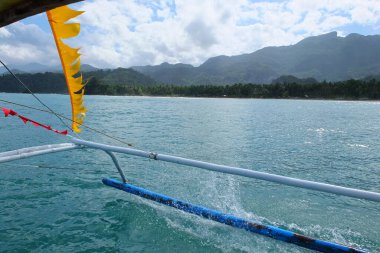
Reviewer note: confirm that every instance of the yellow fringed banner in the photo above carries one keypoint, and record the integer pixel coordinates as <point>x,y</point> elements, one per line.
<point>69,59</point>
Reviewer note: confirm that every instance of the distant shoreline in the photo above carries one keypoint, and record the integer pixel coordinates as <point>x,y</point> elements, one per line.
<point>205,97</point>
<point>284,88</point>
<point>243,98</point>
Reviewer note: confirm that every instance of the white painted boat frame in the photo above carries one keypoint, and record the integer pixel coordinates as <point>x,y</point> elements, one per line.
<point>109,149</point>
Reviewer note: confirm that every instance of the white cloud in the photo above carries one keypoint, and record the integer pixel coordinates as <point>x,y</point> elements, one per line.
<point>21,44</point>
<point>136,32</point>
<point>4,33</point>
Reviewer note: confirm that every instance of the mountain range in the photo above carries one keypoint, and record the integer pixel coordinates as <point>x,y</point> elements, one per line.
<point>324,57</point>
<point>50,82</point>
<point>34,67</point>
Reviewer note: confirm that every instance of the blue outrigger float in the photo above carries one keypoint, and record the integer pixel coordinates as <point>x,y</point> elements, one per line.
<point>228,219</point>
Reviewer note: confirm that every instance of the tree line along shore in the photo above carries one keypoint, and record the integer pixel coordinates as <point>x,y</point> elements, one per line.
<point>364,89</point>
<point>350,90</point>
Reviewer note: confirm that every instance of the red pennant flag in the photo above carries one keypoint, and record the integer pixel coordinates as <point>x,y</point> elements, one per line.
<point>13,113</point>
<point>8,112</point>
<point>59,132</point>
<point>23,119</point>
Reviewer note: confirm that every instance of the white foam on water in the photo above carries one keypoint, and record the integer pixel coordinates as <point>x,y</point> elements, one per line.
<point>322,130</point>
<point>225,238</point>
<point>358,145</point>
<point>222,194</point>
<point>336,235</point>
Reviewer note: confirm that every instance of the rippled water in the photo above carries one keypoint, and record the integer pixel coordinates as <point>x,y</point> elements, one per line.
<point>57,203</point>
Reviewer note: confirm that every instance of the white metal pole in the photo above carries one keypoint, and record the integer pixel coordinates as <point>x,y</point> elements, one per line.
<point>34,151</point>
<point>350,192</point>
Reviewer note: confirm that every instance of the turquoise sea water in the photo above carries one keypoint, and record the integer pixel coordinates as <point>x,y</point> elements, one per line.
<point>57,203</point>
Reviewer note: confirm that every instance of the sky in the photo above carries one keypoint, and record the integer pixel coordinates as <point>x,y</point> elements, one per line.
<point>125,33</point>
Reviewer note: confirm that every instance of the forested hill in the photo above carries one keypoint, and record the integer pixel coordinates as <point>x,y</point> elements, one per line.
<point>121,76</point>
<point>39,83</point>
<point>129,82</point>
<point>325,57</point>
<point>55,82</point>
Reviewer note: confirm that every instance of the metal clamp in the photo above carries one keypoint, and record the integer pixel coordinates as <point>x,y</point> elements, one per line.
<point>153,155</point>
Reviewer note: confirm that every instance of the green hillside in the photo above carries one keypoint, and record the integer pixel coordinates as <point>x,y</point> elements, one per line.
<point>325,57</point>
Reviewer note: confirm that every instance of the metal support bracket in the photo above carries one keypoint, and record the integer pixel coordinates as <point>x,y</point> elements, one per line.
<point>116,162</point>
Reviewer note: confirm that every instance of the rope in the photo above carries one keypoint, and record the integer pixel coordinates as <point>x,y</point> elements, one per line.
<point>37,166</point>
<point>39,100</point>
<point>59,116</point>
<point>64,117</point>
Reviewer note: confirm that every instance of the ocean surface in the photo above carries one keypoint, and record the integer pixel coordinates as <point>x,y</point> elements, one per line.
<point>57,202</point>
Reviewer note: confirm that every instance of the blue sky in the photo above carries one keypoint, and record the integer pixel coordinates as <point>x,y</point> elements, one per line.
<point>137,32</point>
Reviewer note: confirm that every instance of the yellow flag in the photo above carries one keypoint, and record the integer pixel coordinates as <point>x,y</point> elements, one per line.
<point>69,59</point>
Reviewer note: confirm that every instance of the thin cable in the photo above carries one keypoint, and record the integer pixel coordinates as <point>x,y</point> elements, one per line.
<point>34,166</point>
<point>21,165</point>
<point>64,117</point>
<point>26,87</point>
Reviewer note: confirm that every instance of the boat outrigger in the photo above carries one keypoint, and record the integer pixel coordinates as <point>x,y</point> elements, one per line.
<point>228,219</point>
<point>70,62</point>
